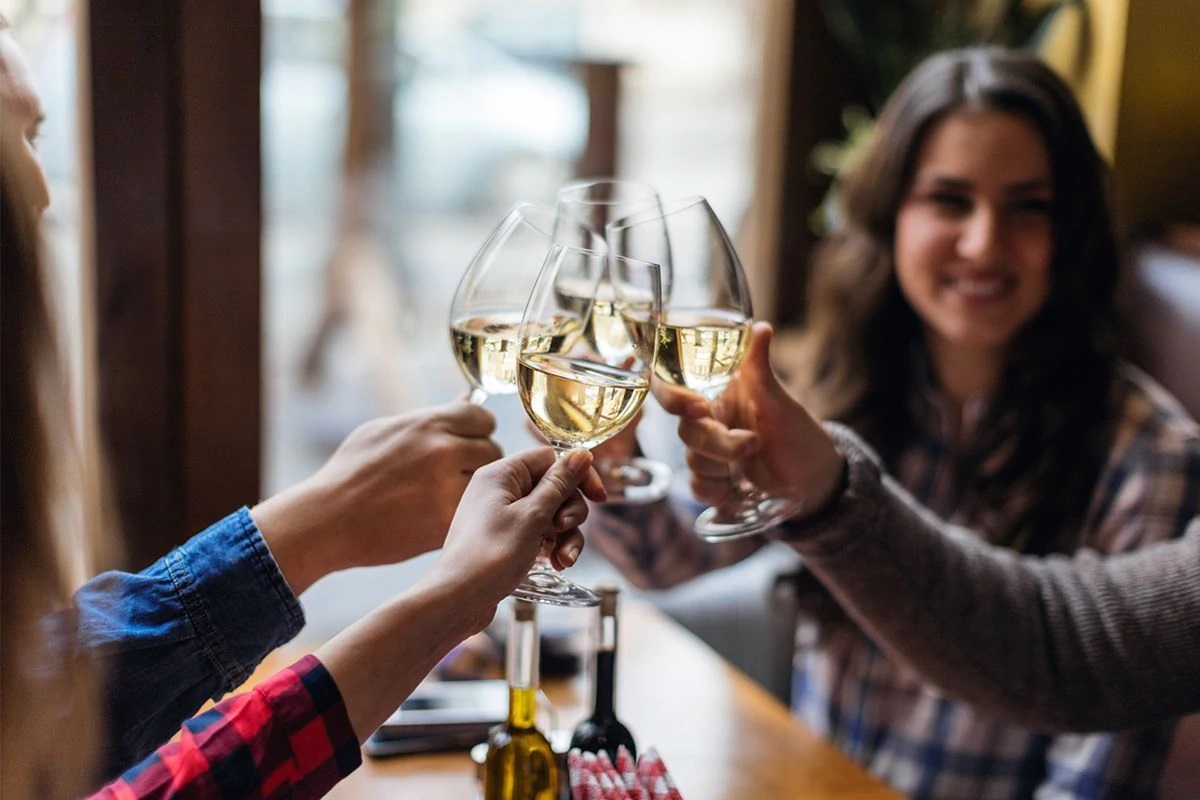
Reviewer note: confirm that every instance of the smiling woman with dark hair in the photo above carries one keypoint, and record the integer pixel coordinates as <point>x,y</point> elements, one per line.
<point>1044,424</point>
<point>963,323</point>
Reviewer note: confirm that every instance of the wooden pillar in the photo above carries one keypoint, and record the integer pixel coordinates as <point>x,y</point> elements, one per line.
<point>176,184</point>
<point>602,82</point>
<point>821,84</point>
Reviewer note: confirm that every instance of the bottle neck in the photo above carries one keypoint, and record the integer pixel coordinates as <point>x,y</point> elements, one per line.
<point>606,658</point>
<point>522,674</point>
<point>522,708</point>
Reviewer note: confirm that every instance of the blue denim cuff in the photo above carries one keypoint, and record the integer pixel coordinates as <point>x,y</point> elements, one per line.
<point>234,595</point>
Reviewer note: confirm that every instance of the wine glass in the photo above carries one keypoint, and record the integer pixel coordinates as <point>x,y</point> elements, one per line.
<point>705,332</point>
<point>585,394</point>
<point>491,295</point>
<point>595,202</point>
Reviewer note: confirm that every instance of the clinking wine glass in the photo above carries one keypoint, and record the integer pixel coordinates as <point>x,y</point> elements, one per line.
<point>596,202</point>
<point>491,295</point>
<point>705,333</point>
<point>585,394</point>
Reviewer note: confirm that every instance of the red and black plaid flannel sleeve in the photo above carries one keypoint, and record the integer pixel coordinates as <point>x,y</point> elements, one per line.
<point>288,737</point>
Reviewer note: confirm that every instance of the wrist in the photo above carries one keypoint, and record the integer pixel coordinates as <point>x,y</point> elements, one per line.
<point>861,469</point>
<point>825,500</point>
<point>475,605</point>
<point>294,543</point>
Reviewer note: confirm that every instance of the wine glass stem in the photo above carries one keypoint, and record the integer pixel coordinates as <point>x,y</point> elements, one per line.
<point>740,486</point>
<point>477,397</point>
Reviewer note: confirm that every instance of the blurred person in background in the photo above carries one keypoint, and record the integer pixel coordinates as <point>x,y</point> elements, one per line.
<point>962,322</point>
<point>93,681</point>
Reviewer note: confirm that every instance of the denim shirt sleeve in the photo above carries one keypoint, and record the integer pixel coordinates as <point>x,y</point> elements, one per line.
<point>191,627</point>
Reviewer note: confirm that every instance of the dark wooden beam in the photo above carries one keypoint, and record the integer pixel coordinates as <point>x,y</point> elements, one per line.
<point>822,84</point>
<point>176,178</point>
<point>602,82</point>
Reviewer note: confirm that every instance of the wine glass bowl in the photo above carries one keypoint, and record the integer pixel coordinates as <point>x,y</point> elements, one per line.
<point>701,348</point>
<point>704,335</point>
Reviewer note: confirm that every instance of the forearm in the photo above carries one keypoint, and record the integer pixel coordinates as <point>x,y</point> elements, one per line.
<point>378,661</point>
<point>188,628</point>
<point>1081,643</point>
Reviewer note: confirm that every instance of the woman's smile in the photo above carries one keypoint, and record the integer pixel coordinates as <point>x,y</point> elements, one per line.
<point>981,288</point>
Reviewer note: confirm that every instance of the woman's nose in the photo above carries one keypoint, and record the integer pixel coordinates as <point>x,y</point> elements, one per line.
<point>31,179</point>
<point>981,237</point>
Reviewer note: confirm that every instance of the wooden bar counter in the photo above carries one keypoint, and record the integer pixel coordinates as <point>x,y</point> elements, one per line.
<point>721,735</point>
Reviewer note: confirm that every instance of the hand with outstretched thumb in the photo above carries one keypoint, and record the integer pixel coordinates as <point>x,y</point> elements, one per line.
<point>780,447</point>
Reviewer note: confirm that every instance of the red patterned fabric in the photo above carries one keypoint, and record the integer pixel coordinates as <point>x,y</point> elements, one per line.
<point>288,737</point>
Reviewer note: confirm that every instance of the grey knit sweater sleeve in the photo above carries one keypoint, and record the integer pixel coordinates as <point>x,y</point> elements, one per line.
<point>1084,642</point>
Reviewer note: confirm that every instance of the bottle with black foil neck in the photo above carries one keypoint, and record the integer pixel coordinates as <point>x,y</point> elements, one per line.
<point>602,730</point>
<point>520,763</point>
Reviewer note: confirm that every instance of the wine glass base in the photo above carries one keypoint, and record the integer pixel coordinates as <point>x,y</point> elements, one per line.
<point>635,482</point>
<point>544,585</point>
<point>754,516</point>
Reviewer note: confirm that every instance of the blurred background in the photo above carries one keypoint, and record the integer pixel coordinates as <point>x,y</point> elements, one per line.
<point>262,211</point>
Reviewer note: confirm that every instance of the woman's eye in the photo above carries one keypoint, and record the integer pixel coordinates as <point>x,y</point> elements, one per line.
<point>31,136</point>
<point>950,201</point>
<point>1039,206</point>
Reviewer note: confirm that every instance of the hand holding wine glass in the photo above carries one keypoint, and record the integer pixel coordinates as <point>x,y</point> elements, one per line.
<point>704,335</point>
<point>581,396</point>
<point>781,447</point>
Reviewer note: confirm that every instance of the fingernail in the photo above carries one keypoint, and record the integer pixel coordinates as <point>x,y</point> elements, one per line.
<point>572,556</point>
<point>578,461</point>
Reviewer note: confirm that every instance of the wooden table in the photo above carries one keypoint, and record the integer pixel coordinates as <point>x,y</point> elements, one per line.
<point>720,734</point>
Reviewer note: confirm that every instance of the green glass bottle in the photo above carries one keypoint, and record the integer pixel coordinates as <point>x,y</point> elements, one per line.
<point>520,762</point>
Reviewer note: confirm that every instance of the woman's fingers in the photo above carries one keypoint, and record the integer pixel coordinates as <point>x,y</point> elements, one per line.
<point>679,402</point>
<point>593,487</point>
<point>711,438</point>
<point>713,491</point>
<point>465,419</point>
<point>705,467</point>
<point>571,514</point>
<point>567,548</point>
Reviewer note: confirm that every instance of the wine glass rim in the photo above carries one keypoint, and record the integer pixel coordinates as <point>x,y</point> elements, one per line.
<point>665,210</point>
<point>603,254</point>
<point>569,191</point>
<point>522,213</point>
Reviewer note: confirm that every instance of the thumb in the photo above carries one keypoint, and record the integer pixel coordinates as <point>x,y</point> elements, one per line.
<point>757,364</point>
<point>560,482</point>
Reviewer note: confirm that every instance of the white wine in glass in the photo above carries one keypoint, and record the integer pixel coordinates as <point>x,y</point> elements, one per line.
<point>701,348</point>
<point>485,314</point>
<point>584,395</point>
<point>704,336</point>
<point>575,402</point>
<point>596,202</point>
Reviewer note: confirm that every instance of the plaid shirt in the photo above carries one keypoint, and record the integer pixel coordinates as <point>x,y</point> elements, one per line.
<point>288,737</point>
<point>177,634</point>
<point>880,713</point>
